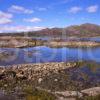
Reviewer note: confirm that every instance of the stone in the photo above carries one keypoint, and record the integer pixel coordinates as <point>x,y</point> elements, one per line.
<point>40,80</point>
<point>92,91</point>
<point>56,80</point>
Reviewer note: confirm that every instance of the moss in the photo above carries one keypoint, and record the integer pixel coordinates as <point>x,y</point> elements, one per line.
<point>80,64</point>
<point>35,94</point>
<point>93,66</point>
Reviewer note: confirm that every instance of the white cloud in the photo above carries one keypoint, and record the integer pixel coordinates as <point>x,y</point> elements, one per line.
<point>20,9</point>
<point>92,9</point>
<point>5,18</point>
<point>33,20</point>
<point>5,21</point>
<point>5,15</point>
<point>75,9</point>
<point>20,28</point>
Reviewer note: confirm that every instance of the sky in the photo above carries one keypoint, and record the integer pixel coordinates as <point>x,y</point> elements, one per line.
<point>32,15</point>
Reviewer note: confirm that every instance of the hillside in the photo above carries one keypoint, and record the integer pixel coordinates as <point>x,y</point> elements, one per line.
<point>84,30</point>
<point>87,30</point>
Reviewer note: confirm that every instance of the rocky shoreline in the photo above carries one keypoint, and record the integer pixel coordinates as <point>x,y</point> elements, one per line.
<point>19,42</point>
<point>36,70</point>
<point>54,78</point>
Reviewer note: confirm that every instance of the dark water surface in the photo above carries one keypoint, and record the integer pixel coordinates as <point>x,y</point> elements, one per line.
<point>96,39</point>
<point>46,54</point>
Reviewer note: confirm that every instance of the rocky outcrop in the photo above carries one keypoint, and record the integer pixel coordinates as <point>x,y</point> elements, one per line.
<point>69,94</point>
<point>87,92</point>
<point>92,91</point>
<point>32,71</point>
<point>19,42</point>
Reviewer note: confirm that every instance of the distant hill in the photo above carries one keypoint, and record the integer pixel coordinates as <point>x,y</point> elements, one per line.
<point>84,30</point>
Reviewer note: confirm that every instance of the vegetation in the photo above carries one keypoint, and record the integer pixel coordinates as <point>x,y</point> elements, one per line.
<point>38,94</point>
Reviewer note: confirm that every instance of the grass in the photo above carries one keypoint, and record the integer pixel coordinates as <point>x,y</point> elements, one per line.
<point>35,94</point>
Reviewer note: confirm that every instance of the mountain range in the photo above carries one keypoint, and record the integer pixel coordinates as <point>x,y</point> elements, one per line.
<point>83,30</point>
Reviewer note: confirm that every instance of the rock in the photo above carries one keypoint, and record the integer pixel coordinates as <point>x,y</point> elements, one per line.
<point>5,85</point>
<point>2,70</point>
<point>56,80</point>
<point>33,71</point>
<point>92,91</point>
<point>40,80</point>
<point>69,93</point>
<point>21,76</point>
<point>62,98</point>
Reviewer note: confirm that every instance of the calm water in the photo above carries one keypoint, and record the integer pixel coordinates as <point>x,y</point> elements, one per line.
<point>97,39</point>
<point>46,54</point>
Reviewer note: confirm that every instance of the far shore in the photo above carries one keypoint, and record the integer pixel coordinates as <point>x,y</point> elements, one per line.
<point>79,44</point>
<point>24,42</point>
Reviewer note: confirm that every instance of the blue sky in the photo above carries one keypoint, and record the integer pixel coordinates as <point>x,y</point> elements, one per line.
<point>27,15</point>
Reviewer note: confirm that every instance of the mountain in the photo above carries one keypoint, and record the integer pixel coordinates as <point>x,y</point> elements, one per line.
<point>84,30</point>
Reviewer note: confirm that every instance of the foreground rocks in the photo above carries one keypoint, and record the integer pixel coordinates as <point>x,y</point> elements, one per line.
<point>21,77</point>
<point>53,78</point>
<point>32,71</point>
